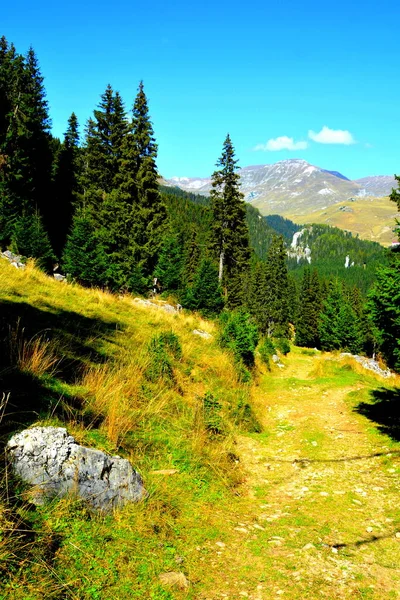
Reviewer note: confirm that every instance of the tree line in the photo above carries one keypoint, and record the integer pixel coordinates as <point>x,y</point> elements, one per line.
<point>95,205</point>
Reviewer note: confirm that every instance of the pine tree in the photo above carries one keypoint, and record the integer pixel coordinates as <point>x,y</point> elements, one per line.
<point>293,299</point>
<point>239,334</point>
<point>150,213</point>
<point>103,145</point>
<point>191,257</point>
<point>310,306</point>
<point>339,328</point>
<point>277,289</point>
<point>351,338</point>
<point>84,258</point>
<point>30,239</point>
<point>205,295</point>
<point>230,231</point>
<point>268,297</point>
<point>170,264</point>
<point>66,184</point>
<point>384,306</point>
<point>38,142</point>
<point>395,197</point>
<point>25,141</point>
<point>8,198</point>
<point>256,296</point>
<point>115,230</point>
<point>357,303</point>
<point>384,301</point>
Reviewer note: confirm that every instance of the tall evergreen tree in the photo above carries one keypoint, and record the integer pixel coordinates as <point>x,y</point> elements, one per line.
<point>38,142</point>
<point>395,197</point>
<point>205,294</point>
<point>66,186</point>
<point>84,258</point>
<point>339,328</point>
<point>25,141</point>
<point>310,306</point>
<point>256,295</point>
<point>170,264</point>
<point>115,229</point>
<point>230,232</point>
<point>384,301</point>
<point>30,239</point>
<point>103,145</point>
<point>277,289</point>
<point>150,212</point>
<point>191,257</point>
<point>384,305</point>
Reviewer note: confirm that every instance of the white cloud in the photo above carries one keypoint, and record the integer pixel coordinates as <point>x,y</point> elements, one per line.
<point>281,143</point>
<point>332,136</point>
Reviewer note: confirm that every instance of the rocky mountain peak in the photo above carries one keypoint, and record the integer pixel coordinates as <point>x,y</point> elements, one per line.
<point>294,186</point>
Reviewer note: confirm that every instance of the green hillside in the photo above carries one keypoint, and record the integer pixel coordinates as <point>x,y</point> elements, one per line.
<point>186,209</point>
<point>329,245</point>
<point>302,470</point>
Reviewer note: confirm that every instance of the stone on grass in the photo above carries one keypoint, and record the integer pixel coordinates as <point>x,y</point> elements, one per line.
<point>50,460</point>
<point>203,334</point>
<point>174,580</point>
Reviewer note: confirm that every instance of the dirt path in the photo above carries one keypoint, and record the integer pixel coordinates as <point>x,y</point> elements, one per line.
<point>322,515</point>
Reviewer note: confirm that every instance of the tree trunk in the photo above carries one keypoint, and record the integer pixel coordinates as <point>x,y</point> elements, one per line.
<point>221,265</point>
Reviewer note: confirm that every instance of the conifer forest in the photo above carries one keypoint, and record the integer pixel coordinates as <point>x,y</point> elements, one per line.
<point>92,204</point>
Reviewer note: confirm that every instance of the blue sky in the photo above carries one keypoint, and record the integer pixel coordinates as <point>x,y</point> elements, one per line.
<point>309,79</point>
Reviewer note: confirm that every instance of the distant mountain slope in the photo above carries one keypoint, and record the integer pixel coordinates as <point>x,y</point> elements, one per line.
<point>335,253</point>
<point>378,185</point>
<point>370,218</point>
<point>294,187</point>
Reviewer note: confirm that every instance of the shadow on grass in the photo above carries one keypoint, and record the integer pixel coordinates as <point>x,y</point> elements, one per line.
<point>384,410</point>
<point>78,342</point>
<point>358,543</point>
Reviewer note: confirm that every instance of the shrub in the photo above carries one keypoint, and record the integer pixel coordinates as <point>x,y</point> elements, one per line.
<point>282,344</point>
<point>266,350</point>
<point>245,418</point>
<point>240,335</point>
<point>162,349</point>
<point>213,420</point>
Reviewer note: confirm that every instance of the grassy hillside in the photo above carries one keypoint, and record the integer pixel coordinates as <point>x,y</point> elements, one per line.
<point>370,218</point>
<point>295,497</point>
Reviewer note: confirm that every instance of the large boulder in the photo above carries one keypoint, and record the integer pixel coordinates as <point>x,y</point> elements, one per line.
<point>50,460</point>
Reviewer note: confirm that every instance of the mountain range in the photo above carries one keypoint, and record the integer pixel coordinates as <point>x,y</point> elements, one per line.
<point>294,187</point>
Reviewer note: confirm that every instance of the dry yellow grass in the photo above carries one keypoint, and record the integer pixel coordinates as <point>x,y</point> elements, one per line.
<point>256,515</point>
<point>35,355</point>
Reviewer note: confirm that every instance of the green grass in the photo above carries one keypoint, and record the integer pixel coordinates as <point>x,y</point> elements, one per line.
<point>263,469</point>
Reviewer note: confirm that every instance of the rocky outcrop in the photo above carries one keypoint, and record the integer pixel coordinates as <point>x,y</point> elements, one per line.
<point>50,460</point>
<point>160,306</point>
<point>370,364</point>
<point>14,259</point>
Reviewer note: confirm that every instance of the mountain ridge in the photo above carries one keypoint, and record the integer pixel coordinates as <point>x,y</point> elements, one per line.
<point>294,186</point>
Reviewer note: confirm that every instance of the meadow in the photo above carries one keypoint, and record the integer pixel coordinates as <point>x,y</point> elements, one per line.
<point>284,486</point>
